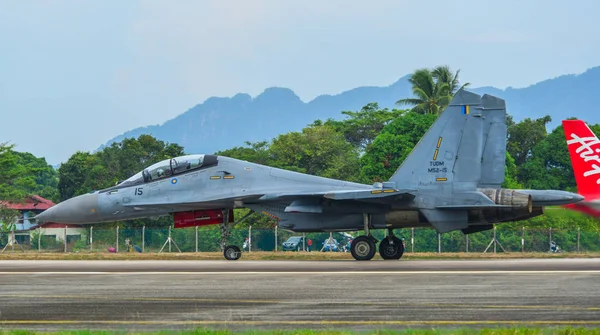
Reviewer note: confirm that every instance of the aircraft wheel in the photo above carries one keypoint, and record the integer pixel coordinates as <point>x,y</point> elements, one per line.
<point>391,251</point>
<point>363,248</point>
<point>232,253</point>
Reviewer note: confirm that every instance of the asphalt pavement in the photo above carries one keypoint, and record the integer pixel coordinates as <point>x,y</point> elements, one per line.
<point>56,295</point>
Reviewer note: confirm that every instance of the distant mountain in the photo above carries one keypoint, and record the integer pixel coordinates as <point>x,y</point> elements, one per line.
<point>222,123</point>
<point>562,97</point>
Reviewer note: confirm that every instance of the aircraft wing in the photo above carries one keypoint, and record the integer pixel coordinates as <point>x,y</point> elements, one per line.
<point>367,195</point>
<point>359,194</point>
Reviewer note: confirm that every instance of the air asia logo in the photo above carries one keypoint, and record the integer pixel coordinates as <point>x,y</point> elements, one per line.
<point>587,152</point>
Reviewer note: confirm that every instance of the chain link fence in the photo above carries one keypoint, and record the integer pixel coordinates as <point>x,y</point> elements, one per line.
<point>206,239</point>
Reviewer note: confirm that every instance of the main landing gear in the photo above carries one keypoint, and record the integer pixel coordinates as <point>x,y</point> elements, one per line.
<point>231,252</point>
<point>363,247</point>
<point>391,247</point>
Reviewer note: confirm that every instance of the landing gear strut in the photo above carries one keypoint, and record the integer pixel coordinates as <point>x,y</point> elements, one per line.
<point>391,247</point>
<point>363,247</point>
<point>231,252</point>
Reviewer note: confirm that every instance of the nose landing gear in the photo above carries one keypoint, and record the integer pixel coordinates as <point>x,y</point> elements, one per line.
<point>231,252</point>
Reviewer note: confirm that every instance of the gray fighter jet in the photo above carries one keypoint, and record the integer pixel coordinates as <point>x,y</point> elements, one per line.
<point>450,181</point>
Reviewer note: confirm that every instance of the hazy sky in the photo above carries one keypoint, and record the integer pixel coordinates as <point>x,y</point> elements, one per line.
<point>74,74</point>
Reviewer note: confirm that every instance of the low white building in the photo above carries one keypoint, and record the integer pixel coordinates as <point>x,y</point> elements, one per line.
<point>25,229</point>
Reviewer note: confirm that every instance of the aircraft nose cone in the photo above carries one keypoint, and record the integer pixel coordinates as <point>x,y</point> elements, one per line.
<point>80,209</point>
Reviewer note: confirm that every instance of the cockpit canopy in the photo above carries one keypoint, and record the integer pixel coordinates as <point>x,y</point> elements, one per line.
<point>171,167</point>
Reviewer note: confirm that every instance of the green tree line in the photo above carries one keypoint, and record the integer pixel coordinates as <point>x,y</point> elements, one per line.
<point>23,174</point>
<point>364,146</point>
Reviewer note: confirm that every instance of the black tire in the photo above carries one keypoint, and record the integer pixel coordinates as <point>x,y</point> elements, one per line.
<point>363,248</point>
<point>232,253</point>
<point>389,251</point>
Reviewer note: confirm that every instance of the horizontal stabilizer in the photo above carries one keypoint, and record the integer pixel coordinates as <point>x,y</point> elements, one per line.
<point>477,229</point>
<point>446,221</point>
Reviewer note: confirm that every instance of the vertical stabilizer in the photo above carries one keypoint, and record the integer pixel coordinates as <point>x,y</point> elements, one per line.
<point>493,161</point>
<point>448,157</point>
<point>584,148</point>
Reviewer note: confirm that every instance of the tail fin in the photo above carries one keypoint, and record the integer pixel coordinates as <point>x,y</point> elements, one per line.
<point>584,148</point>
<point>448,157</point>
<point>493,161</point>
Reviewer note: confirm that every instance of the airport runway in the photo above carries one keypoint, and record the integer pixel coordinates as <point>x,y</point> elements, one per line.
<point>54,295</point>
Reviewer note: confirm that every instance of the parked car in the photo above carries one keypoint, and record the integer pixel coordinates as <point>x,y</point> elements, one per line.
<point>330,245</point>
<point>294,243</point>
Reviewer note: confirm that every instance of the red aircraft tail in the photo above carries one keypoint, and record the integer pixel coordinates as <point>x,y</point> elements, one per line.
<point>584,148</point>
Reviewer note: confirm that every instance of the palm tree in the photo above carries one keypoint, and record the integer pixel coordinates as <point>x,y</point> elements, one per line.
<point>443,73</point>
<point>431,95</point>
<point>433,89</point>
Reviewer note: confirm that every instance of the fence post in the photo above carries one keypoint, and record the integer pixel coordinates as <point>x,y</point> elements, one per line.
<point>117,239</point>
<point>249,238</point>
<point>495,240</point>
<point>275,238</point>
<point>196,238</point>
<point>439,243</point>
<point>39,239</point>
<point>169,238</point>
<point>523,240</point>
<point>578,236</point>
<point>91,238</point>
<point>13,238</point>
<point>467,236</point>
<point>143,237</point>
<point>550,235</point>
<point>412,240</point>
<point>303,241</point>
<point>65,238</point>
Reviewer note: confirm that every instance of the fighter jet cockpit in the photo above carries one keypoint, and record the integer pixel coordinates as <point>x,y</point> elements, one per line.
<point>170,167</point>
